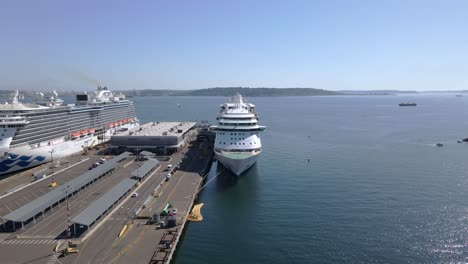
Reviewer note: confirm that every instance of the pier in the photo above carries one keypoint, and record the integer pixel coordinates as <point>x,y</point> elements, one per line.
<point>112,212</point>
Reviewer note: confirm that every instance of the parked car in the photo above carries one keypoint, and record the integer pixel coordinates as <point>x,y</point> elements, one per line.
<point>134,195</point>
<point>168,177</point>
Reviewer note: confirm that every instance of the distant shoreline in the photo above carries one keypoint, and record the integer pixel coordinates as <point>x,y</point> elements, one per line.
<point>229,91</point>
<point>247,92</point>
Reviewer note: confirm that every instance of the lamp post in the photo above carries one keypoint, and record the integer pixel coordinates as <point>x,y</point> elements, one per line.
<point>137,154</point>
<point>68,213</point>
<point>52,159</point>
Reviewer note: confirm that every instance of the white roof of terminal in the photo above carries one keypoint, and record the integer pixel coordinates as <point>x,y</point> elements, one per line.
<point>159,129</point>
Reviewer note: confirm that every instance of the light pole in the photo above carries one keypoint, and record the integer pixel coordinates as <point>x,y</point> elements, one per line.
<point>68,213</point>
<point>52,159</point>
<point>137,154</point>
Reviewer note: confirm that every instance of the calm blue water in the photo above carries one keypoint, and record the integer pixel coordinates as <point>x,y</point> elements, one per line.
<point>376,189</point>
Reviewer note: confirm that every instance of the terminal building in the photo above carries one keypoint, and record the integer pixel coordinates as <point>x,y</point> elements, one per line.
<point>162,138</point>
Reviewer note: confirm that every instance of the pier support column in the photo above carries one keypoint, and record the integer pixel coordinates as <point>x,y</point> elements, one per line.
<point>22,225</point>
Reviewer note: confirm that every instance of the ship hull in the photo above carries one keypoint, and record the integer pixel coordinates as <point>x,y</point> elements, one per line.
<point>25,157</point>
<point>237,162</point>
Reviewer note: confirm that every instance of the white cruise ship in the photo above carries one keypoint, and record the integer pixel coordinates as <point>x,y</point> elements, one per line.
<point>237,145</point>
<point>39,132</point>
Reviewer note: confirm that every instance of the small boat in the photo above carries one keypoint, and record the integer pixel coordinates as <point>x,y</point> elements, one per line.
<point>75,135</point>
<point>439,145</point>
<point>83,132</point>
<point>407,104</point>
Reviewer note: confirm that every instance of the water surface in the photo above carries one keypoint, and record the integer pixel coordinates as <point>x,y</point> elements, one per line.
<point>342,179</point>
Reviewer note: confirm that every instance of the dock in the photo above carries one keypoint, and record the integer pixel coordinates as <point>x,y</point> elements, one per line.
<point>108,211</point>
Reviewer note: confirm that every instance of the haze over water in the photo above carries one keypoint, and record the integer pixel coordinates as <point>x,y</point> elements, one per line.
<point>376,189</point>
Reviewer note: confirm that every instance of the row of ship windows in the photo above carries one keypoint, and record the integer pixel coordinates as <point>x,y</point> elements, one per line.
<point>43,115</point>
<point>237,124</point>
<point>236,118</point>
<point>28,134</point>
<point>72,120</point>
<point>224,143</point>
<point>234,134</point>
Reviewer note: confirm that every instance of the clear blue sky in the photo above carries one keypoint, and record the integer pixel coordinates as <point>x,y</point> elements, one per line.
<point>375,44</point>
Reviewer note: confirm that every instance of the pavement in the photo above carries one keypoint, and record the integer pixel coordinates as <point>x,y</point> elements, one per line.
<point>21,197</point>
<point>12,181</point>
<point>101,244</point>
<point>142,240</point>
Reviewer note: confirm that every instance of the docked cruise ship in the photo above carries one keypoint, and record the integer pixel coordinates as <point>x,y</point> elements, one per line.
<point>46,130</point>
<point>237,145</point>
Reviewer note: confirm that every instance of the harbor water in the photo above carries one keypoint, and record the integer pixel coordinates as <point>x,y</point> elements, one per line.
<point>342,179</point>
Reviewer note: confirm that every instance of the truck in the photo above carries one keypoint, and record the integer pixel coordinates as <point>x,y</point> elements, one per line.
<point>71,248</point>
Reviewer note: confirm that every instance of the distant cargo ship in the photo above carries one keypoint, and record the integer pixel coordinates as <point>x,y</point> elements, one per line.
<point>35,133</point>
<point>407,104</point>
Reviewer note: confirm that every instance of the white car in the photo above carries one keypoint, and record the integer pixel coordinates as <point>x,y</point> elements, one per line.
<point>134,195</point>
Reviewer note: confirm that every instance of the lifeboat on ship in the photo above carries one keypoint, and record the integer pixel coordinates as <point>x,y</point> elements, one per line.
<point>91,131</point>
<point>115,124</point>
<point>83,132</point>
<point>75,135</point>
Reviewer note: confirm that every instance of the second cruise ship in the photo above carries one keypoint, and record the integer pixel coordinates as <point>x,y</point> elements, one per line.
<point>237,144</point>
<point>46,130</point>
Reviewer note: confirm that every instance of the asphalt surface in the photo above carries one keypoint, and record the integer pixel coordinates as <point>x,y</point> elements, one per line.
<point>141,239</point>
<point>12,181</point>
<point>55,223</point>
<point>100,244</point>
